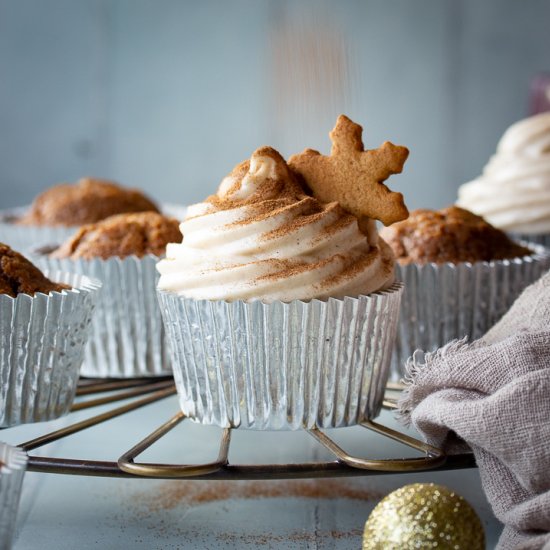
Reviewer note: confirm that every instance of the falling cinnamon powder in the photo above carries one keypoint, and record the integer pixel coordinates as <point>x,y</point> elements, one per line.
<point>315,71</point>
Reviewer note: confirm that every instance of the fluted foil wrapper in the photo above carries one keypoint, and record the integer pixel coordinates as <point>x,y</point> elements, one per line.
<point>542,239</point>
<point>13,463</point>
<point>42,341</point>
<point>442,302</point>
<point>128,338</point>
<point>24,237</point>
<point>281,366</point>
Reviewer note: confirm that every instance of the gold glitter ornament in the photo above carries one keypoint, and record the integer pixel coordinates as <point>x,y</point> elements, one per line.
<point>423,515</point>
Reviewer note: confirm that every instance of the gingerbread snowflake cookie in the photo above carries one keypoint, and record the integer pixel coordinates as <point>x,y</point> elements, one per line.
<point>354,176</point>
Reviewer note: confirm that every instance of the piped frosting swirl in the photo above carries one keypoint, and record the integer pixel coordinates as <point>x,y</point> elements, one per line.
<point>262,237</point>
<point>513,192</point>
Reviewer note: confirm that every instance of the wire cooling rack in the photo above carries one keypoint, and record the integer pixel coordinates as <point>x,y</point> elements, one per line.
<point>138,393</point>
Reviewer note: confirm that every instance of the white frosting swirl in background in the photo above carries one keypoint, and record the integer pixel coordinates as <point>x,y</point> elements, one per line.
<point>513,192</point>
<point>262,238</point>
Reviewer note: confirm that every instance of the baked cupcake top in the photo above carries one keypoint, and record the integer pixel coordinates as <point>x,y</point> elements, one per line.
<point>513,192</point>
<point>19,276</point>
<point>122,235</point>
<point>451,235</point>
<point>262,236</point>
<point>88,201</point>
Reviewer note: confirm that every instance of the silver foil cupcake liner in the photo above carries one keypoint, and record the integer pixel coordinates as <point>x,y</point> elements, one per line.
<point>443,302</point>
<point>23,237</point>
<point>542,239</point>
<point>281,366</point>
<point>13,463</point>
<point>42,341</point>
<point>128,338</point>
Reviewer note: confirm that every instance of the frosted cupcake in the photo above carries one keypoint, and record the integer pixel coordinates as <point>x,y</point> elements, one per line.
<point>44,326</point>
<point>128,338</point>
<point>280,311</point>
<point>513,192</point>
<point>57,213</point>
<point>461,275</point>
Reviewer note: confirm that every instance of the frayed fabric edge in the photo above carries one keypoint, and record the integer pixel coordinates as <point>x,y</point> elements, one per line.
<point>415,365</point>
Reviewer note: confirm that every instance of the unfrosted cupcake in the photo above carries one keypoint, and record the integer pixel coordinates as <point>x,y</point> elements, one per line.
<point>127,335</point>
<point>450,235</point>
<point>461,275</point>
<point>56,213</point>
<point>513,192</point>
<point>280,311</point>
<point>44,326</point>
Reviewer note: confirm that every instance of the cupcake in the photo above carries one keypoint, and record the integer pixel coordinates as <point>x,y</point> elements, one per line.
<point>127,337</point>
<point>57,212</point>
<point>513,192</point>
<point>281,312</point>
<point>460,274</point>
<point>44,326</point>
<point>13,463</point>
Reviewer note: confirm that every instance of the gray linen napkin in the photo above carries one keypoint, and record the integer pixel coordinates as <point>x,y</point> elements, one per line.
<point>493,395</point>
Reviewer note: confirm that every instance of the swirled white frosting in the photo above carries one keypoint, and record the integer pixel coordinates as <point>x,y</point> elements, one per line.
<point>513,192</point>
<point>261,237</point>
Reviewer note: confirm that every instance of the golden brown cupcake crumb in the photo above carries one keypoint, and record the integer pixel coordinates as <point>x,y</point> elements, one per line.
<point>122,235</point>
<point>19,276</point>
<point>88,201</point>
<point>449,235</point>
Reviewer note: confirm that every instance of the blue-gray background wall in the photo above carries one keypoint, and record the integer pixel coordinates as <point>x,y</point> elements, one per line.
<point>168,95</point>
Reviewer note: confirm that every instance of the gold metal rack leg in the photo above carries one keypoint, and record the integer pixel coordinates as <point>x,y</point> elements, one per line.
<point>119,396</point>
<point>89,422</point>
<point>433,456</point>
<point>126,461</point>
<point>344,465</point>
<point>88,386</point>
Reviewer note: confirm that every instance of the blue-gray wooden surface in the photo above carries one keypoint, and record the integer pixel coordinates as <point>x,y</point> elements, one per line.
<point>169,94</point>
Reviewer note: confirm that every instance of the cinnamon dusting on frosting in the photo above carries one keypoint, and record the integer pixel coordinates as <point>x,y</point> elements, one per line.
<point>264,210</point>
<point>283,269</point>
<point>344,219</point>
<point>286,269</point>
<point>354,268</point>
<point>308,211</point>
<point>262,236</point>
<point>281,185</point>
